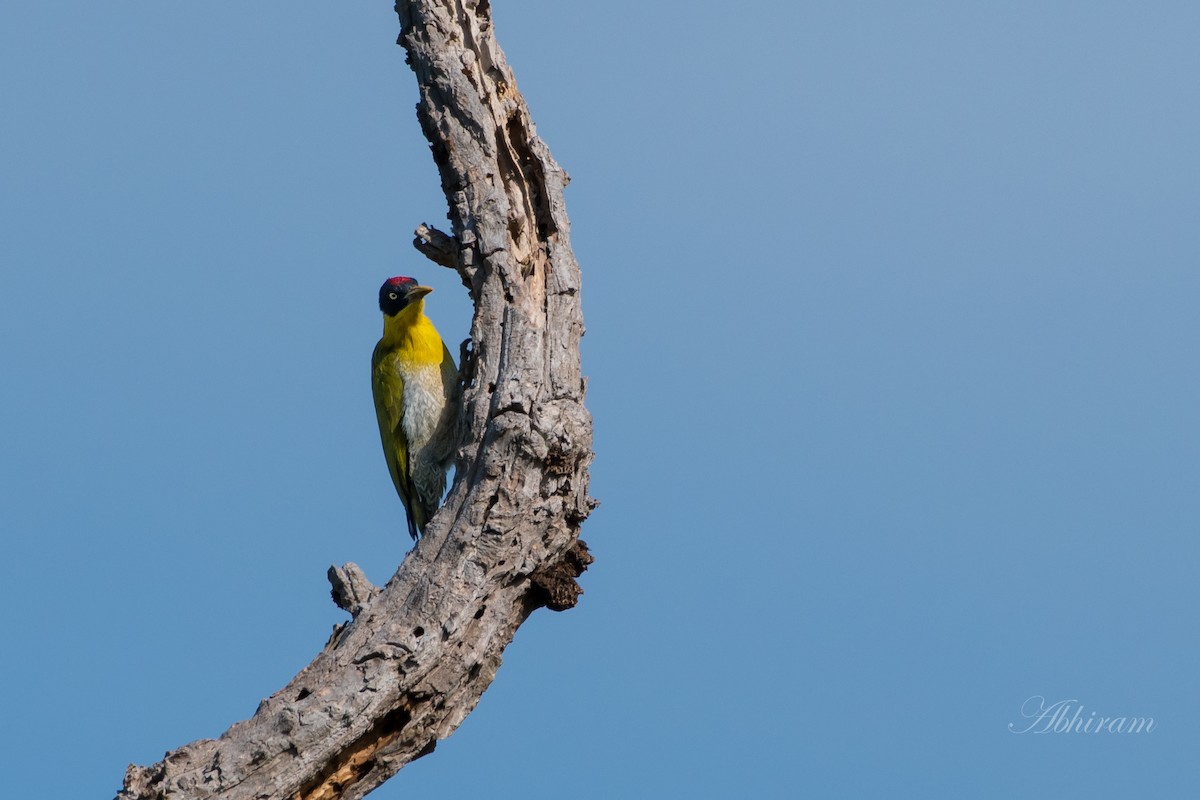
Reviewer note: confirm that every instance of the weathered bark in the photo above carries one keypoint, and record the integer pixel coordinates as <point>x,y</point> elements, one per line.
<point>418,654</point>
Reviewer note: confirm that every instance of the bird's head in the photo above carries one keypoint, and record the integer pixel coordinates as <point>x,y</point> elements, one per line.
<point>398,293</point>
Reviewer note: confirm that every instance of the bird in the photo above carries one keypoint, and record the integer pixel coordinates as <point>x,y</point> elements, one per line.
<point>417,397</point>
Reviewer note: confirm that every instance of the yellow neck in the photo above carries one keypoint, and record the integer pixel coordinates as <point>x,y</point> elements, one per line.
<point>412,335</point>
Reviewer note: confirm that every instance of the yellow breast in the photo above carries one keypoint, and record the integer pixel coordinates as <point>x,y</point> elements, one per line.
<point>412,337</point>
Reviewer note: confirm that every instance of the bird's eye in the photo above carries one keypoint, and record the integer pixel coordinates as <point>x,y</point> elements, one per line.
<point>391,295</point>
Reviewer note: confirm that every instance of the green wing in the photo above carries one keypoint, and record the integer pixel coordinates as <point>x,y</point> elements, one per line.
<point>388,389</point>
<point>450,385</point>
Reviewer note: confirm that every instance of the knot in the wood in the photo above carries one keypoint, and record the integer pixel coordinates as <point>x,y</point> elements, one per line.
<point>554,586</point>
<point>440,248</point>
<point>351,590</point>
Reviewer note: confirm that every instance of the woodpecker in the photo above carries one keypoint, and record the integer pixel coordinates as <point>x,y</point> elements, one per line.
<point>415,384</point>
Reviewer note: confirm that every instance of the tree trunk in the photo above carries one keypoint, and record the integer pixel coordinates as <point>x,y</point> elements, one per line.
<point>419,653</point>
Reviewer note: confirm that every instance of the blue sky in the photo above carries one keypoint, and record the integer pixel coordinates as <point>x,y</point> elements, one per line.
<point>892,326</point>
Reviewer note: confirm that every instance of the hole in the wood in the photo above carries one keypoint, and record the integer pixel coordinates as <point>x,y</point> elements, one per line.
<point>479,613</point>
<point>303,694</point>
<point>418,631</point>
<point>364,769</point>
<point>491,388</point>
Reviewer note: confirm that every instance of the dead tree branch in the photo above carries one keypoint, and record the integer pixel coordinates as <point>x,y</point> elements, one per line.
<point>419,653</point>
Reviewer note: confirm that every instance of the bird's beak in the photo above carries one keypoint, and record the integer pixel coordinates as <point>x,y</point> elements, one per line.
<point>417,292</point>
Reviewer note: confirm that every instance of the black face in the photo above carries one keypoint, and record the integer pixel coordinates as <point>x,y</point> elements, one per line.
<point>393,295</point>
